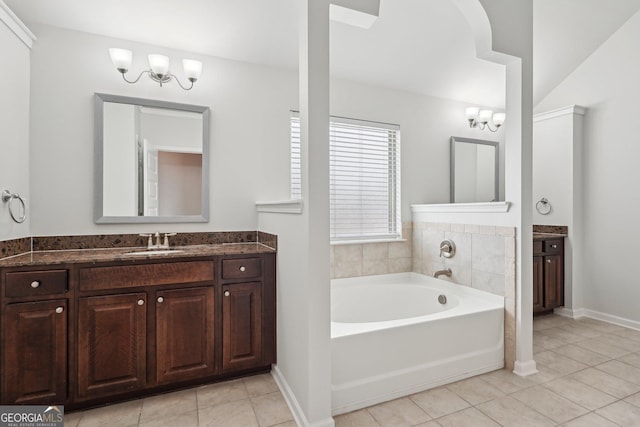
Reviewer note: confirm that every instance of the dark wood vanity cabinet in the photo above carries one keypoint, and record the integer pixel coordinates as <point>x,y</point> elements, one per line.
<point>107,331</point>
<point>548,274</point>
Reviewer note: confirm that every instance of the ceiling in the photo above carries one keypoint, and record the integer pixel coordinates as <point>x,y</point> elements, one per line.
<point>422,46</point>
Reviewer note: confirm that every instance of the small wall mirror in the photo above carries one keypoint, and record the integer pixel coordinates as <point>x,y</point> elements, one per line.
<point>151,161</point>
<point>474,170</point>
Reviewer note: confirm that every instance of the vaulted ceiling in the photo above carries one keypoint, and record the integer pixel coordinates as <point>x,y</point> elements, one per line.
<point>422,46</point>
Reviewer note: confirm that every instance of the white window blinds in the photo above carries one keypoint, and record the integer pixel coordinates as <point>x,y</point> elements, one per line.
<point>364,178</point>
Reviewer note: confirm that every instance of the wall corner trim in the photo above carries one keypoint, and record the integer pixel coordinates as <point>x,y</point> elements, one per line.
<point>572,109</point>
<point>16,25</point>
<point>284,206</point>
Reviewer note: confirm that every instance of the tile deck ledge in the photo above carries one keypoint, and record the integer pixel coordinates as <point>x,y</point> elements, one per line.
<point>484,207</point>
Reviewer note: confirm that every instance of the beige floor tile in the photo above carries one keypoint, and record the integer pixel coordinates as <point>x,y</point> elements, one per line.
<point>582,330</point>
<point>546,342</point>
<point>233,414</point>
<point>507,382</point>
<point>600,347</point>
<point>580,393</point>
<point>632,359</point>
<point>550,404</point>
<point>260,384</point>
<point>558,363</point>
<point>624,343</point>
<point>429,424</point>
<point>271,409</point>
<point>621,370</point>
<point>469,417</point>
<point>590,420</point>
<point>72,420</point>
<point>121,414</point>
<point>549,321</point>
<point>439,402</point>
<point>216,394</point>
<point>606,328</point>
<point>360,418</point>
<point>287,424</point>
<point>168,405</point>
<point>398,413</point>
<point>510,412</point>
<point>605,382</point>
<point>188,419</point>
<point>622,413</point>
<point>475,390</point>
<point>634,399</point>
<point>582,355</point>
<point>561,334</point>
<point>544,375</point>
<point>629,334</point>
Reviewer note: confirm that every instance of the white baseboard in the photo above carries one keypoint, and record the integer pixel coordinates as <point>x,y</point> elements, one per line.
<point>298,415</point>
<point>597,315</point>
<point>524,369</point>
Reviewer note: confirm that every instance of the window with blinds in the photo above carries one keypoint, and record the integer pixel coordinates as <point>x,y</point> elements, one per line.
<point>364,178</point>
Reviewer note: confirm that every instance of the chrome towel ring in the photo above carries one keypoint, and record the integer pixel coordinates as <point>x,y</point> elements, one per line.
<point>8,196</point>
<point>543,206</point>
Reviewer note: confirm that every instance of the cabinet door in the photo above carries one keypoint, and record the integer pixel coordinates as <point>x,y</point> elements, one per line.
<point>538,284</point>
<point>35,353</point>
<point>554,281</point>
<point>184,334</point>
<point>241,326</point>
<point>111,344</point>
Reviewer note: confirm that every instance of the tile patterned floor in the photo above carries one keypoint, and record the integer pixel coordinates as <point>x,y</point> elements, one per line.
<point>589,376</point>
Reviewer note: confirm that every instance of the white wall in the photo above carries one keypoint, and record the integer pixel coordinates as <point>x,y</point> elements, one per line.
<point>606,84</point>
<point>14,128</point>
<point>249,130</point>
<point>120,194</point>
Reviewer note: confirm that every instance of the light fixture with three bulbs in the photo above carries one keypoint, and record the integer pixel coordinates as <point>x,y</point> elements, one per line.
<point>159,67</point>
<point>481,118</point>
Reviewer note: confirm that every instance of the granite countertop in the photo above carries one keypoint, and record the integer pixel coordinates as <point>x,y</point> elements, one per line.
<point>118,254</point>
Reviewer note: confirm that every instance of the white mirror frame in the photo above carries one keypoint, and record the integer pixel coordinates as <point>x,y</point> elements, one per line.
<point>99,217</point>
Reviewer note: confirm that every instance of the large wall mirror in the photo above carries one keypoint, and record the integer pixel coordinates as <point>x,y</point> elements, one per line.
<point>474,170</point>
<point>151,161</point>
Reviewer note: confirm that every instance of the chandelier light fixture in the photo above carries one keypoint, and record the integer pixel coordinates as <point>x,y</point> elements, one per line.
<point>481,118</point>
<point>159,67</point>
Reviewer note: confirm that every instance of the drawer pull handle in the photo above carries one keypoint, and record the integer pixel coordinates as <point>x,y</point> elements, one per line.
<point>140,302</point>
<point>242,268</point>
<point>554,246</point>
<point>35,284</point>
<point>160,300</point>
<point>227,293</point>
<point>59,310</point>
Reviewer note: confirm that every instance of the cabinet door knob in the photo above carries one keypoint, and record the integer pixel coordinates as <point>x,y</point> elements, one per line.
<point>227,293</point>
<point>554,246</point>
<point>242,268</point>
<point>35,284</point>
<point>548,261</point>
<point>140,302</point>
<point>59,310</point>
<point>160,300</point>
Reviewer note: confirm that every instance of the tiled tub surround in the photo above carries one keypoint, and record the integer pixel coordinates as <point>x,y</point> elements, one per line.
<point>484,259</point>
<point>114,241</point>
<point>368,259</point>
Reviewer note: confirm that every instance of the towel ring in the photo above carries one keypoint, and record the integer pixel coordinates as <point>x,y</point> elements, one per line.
<point>543,206</point>
<point>7,196</point>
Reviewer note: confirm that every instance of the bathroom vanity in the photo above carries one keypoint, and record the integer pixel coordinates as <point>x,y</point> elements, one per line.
<point>87,327</point>
<point>548,272</point>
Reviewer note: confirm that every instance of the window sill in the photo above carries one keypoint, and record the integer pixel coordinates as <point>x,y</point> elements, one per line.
<point>364,241</point>
<point>284,206</point>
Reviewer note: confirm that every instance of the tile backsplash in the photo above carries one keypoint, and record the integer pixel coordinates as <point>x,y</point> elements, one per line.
<point>366,259</point>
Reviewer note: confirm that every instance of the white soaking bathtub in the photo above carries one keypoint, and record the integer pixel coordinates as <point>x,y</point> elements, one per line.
<point>390,336</point>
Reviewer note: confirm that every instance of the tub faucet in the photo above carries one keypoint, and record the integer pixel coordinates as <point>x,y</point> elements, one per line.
<point>439,273</point>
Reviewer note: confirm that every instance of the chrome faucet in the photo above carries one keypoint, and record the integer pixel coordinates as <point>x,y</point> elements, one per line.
<point>157,245</point>
<point>439,273</point>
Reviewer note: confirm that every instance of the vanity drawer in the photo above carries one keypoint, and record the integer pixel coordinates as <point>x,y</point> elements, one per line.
<point>241,268</point>
<point>30,283</point>
<point>552,246</point>
<point>130,276</point>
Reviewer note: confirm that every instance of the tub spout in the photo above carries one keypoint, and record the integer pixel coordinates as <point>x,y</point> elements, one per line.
<point>439,273</point>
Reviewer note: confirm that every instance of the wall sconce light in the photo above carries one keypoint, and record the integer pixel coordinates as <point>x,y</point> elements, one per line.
<point>159,67</point>
<point>480,118</point>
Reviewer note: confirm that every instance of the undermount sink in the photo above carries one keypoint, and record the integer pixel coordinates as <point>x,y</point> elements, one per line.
<point>154,252</point>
